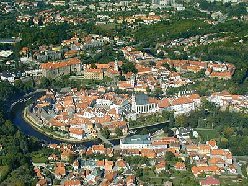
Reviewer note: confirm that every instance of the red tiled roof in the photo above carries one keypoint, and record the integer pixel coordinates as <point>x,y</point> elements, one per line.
<point>54,65</point>
<point>164,103</point>
<point>210,181</point>
<point>77,131</point>
<point>72,183</point>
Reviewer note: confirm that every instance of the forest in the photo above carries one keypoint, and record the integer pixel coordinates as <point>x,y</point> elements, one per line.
<point>15,147</point>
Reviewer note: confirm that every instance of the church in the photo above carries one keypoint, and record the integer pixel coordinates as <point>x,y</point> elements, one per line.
<point>141,103</point>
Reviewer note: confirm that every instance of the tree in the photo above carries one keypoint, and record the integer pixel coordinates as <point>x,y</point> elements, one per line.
<point>129,67</point>
<point>118,132</point>
<point>167,66</point>
<point>93,65</point>
<point>166,114</point>
<point>166,129</point>
<point>45,82</point>
<point>122,78</point>
<point>170,133</point>
<point>169,156</point>
<point>172,120</point>
<point>161,54</point>
<point>144,131</point>
<point>181,120</point>
<point>105,132</point>
<point>243,169</point>
<point>228,132</point>
<point>158,92</point>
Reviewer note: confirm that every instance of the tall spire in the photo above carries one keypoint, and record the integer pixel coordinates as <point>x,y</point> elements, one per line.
<point>132,80</point>
<point>116,65</point>
<point>133,102</point>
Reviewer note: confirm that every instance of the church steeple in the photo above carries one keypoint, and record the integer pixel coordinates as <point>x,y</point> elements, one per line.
<point>133,102</point>
<point>116,65</point>
<point>132,80</point>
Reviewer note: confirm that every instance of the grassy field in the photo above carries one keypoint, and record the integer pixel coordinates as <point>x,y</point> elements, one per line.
<point>207,134</point>
<point>37,158</point>
<point>4,170</point>
<point>106,27</point>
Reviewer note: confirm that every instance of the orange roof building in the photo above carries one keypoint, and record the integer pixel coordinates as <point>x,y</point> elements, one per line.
<point>180,166</point>
<point>55,69</point>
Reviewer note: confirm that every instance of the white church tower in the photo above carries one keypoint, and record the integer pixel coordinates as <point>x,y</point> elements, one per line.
<point>133,103</point>
<point>132,80</point>
<point>116,65</point>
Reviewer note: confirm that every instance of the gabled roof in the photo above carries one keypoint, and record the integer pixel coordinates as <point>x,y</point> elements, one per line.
<point>54,65</point>
<point>210,181</point>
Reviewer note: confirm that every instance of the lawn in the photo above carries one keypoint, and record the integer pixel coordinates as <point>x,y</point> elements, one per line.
<point>106,27</point>
<point>39,158</point>
<point>207,134</point>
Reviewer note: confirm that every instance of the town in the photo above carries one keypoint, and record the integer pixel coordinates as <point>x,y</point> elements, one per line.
<point>145,155</point>
<point>144,92</point>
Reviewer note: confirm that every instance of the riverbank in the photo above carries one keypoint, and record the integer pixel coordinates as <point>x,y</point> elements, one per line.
<point>27,118</point>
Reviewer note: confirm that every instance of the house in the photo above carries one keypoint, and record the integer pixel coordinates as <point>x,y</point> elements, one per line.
<point>91,73</point>
<point>180,166</point>
<point>182,105</point>
<point>149,153</point>
<point>7,76</point>
<point>160,166</point>
<point>53,157</point>
<point>210,181</point>
<point>204,149</point>
<point>72,183</point>
<point>77,133</point>
<point>121,164</point>
<point>75,165</point>
<point>42,182</point>
<point>98,149</point>
<point>212,143</point>
<point>59,170</point>
<point>108,165</point>
<point>217,161</point>
<point>185,133</point>
<point>100,164</point>
<point>130,180</point>
<point>164,143</point>
<point>222,75</point>
<point>197,170</point>
<point>66,154</point>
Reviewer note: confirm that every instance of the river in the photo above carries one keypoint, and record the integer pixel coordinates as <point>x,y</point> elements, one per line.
<point>16,116</point>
